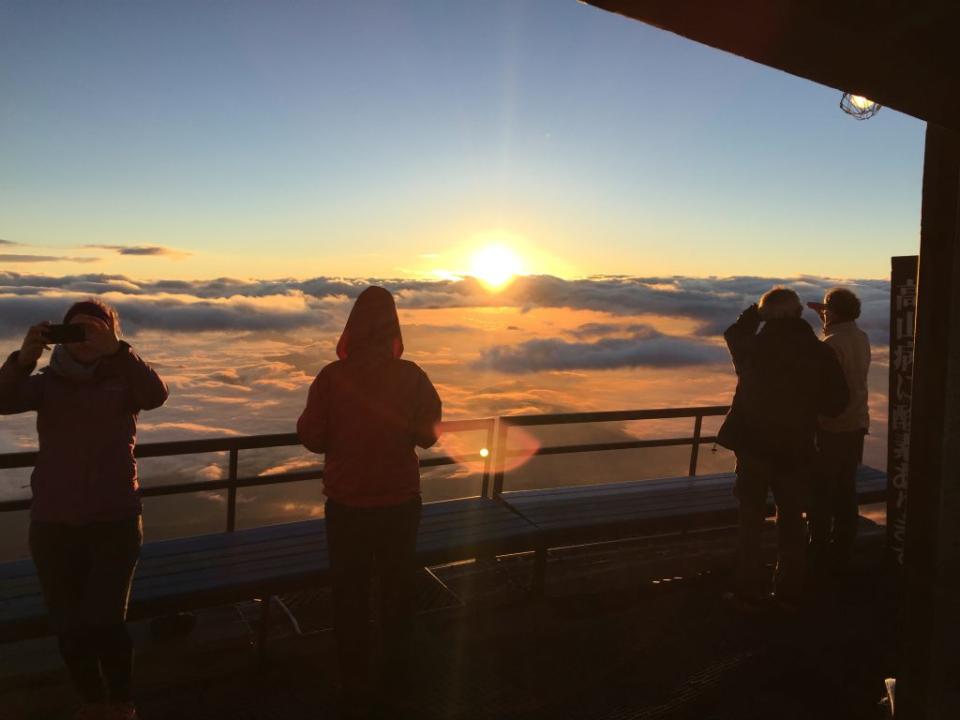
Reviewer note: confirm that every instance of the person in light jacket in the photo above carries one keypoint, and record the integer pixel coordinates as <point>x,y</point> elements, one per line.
<point>834,511</point>
<point>367,412</point>
<point>85,515</point>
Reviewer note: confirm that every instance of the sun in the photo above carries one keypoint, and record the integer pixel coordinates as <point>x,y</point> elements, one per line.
<point>495,266</point>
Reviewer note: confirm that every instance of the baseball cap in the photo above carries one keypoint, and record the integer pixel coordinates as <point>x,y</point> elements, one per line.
<point>841,301</point>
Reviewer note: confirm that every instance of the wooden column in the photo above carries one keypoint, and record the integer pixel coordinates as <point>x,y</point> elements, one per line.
<point>928,683</point>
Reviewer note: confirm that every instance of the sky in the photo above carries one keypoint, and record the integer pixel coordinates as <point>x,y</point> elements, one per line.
<point>379,139</point>
<point>568,206</point>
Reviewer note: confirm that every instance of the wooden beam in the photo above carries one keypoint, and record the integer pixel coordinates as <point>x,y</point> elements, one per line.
<point>900,54</point>
<point>928,687</point>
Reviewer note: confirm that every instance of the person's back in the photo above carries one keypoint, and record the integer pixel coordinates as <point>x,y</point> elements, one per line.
<point>785,378</point>
<point>378,408</point>
<point>834,511</point>
<point>367,412</point>
<point>852,347</point>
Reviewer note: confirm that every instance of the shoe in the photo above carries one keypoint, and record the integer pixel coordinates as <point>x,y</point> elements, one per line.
<point>747,604</point>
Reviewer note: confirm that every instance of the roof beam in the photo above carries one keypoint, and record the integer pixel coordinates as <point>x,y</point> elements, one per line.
<point>894,52</point>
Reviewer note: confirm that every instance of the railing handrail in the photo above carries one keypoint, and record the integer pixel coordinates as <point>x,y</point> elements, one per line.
<point>232,445</point>
<point>226,443</point>
<point>508,421</point>
<point>497,451</point>
<point>613,416</point>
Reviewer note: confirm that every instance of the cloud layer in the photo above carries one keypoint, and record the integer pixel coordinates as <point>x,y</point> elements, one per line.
<point>231,304</point>
<point>239,356</point>
<point>645,348</point>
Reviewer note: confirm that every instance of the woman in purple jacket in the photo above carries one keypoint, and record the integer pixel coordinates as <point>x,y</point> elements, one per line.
<point>85,525</point>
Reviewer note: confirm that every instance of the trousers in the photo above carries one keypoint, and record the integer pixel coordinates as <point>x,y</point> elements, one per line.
<point>363,542</point>
<point>85,573</point>
<point>789,485</point>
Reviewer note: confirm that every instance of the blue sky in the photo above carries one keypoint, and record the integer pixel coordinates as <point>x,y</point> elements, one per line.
<point>392,139</point>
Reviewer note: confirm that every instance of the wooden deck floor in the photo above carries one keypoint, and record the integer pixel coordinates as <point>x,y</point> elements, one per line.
<point>628,631</point>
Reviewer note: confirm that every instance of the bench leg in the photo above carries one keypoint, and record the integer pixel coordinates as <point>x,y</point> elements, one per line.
<point>538,582</point>
<point>263,630</point>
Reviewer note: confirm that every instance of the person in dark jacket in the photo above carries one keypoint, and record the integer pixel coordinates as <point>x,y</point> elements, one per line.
<point>367,412</point>
<point>85,523</point>
<point>786,378</point>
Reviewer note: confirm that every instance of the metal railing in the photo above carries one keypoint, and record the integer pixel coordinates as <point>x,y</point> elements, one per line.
<point>233,446</point>
<point>497,453</point>
<point>698,413</point>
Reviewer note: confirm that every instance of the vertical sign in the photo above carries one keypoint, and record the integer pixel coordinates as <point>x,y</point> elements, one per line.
<point>903,298</point>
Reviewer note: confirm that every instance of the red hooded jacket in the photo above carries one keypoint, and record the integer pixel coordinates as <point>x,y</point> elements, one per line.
<point>367,411</point>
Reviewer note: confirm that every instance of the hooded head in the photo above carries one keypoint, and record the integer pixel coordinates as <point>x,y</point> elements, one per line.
<point>373,326</point>
<point>780,303</point>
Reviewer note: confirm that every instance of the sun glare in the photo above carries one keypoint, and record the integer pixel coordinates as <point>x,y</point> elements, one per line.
<point>495,266</point>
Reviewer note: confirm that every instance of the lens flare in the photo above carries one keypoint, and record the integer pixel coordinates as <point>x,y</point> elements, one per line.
<point>475,457</point>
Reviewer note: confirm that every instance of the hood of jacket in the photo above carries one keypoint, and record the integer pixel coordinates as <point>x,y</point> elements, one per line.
<point>373,328</point>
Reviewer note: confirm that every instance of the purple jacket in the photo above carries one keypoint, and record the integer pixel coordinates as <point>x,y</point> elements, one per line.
<point>85,470</point>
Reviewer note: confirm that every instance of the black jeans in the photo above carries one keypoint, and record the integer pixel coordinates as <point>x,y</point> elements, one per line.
<point>85,572</point>
<point>362,541</point>
<point>834,511</point>
<point>789,485</point>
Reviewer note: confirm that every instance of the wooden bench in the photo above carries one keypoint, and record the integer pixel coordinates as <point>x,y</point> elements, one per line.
<point>613,511</point>
<point>208,570</point>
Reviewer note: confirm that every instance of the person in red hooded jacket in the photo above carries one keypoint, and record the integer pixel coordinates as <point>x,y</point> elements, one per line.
<point>367,412</point>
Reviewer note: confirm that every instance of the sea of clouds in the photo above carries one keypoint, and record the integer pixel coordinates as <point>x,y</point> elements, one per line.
<point>239,356</point>
<point>282,305</point>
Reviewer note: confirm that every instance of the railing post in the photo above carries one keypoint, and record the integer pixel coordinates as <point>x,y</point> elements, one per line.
<point>488,459</point>
<point>695,450</point>
<point>232,490</point>
<point>501,452</point>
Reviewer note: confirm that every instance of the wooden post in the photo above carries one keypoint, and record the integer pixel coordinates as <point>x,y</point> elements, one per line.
<point>928,683</point>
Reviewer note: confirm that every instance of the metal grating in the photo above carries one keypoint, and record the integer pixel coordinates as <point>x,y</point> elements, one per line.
<point>308,612</point>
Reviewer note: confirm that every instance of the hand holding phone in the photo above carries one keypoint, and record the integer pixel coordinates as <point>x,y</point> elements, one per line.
<point>34,343</point>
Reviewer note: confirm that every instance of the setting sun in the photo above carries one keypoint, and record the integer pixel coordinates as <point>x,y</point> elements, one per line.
<point>495,266</point>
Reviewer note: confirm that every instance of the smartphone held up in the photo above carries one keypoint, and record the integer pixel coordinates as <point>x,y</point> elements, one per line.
<point>61,334</point>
